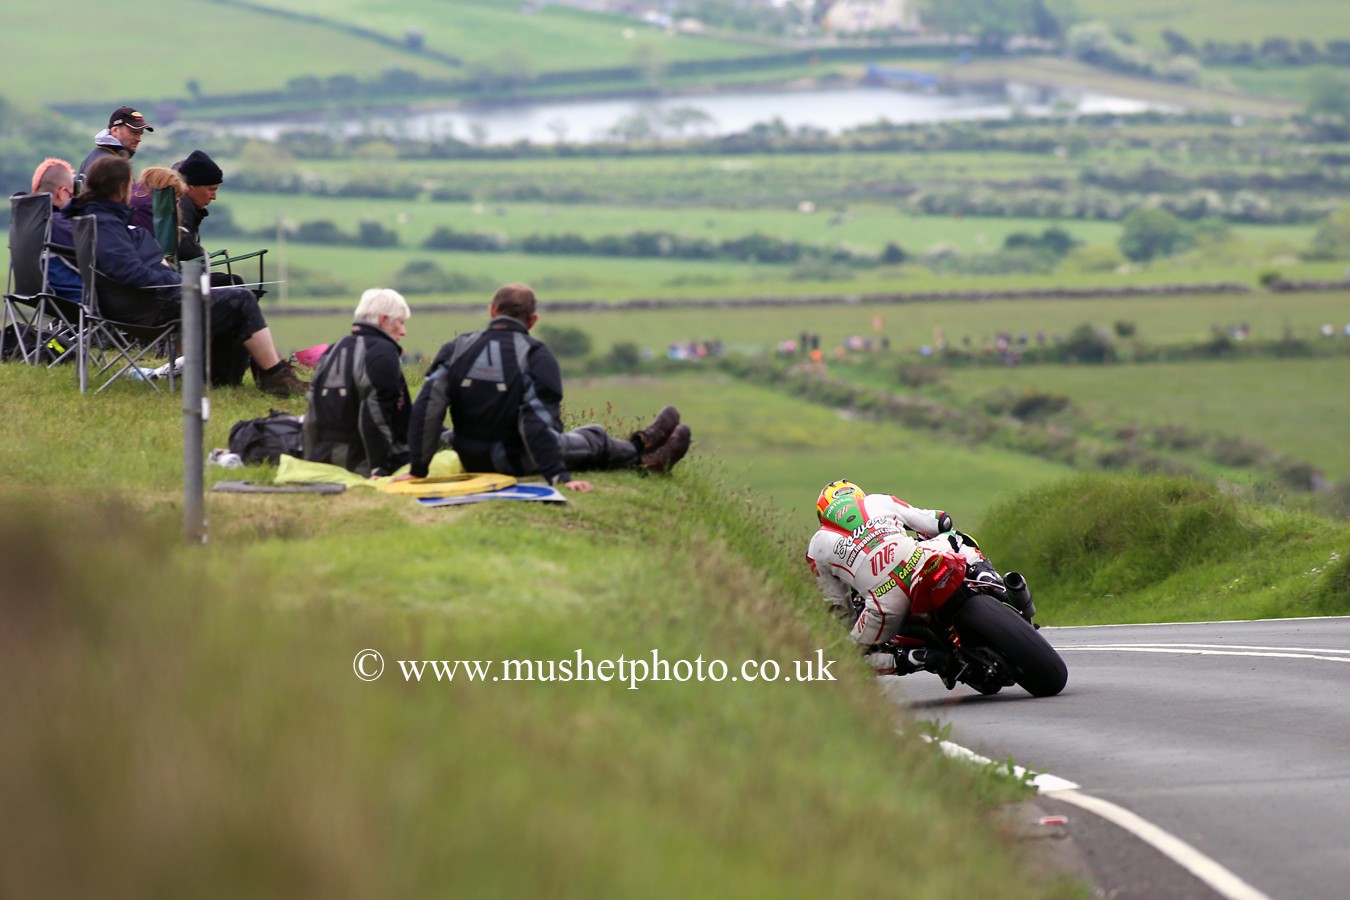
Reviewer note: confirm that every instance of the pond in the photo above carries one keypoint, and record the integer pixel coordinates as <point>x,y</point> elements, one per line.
<point>707,115</point>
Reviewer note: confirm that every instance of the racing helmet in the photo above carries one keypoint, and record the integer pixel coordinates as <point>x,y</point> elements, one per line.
<point>840,504</point>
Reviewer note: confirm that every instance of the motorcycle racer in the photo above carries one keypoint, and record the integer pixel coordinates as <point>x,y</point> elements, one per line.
<point>862,549</point>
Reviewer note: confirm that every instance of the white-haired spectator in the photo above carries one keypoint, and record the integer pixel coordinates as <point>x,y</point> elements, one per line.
<point>358,398</point>
<point>378,303</point>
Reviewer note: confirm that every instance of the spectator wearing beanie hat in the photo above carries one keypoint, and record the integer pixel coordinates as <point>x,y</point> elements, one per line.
<point>203,179</point>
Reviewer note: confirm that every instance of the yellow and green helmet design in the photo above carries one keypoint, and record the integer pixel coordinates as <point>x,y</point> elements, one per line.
<point>840,505</point>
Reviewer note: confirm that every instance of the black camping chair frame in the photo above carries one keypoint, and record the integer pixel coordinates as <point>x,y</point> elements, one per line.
<point>223,258</point>
<point>109,349</point>
<point>43,324</point>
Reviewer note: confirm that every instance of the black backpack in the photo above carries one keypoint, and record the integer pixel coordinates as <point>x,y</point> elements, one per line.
<point>265,439</point>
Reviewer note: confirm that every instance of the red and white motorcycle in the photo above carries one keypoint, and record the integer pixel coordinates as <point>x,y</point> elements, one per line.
<point>980,631</point>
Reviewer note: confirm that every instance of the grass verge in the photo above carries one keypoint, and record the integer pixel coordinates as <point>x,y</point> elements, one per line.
<point>186,721</point>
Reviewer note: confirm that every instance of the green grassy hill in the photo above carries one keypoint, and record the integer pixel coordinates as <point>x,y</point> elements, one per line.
<point>1217,20</point>
<point>186,720</point>
<point>256,49</point>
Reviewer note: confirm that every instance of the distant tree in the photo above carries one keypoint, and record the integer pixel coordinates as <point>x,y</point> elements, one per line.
<point>305,86</point>
<point>893,254</point>
<point>624,357</point>
<point>1332,239</point>
<point>1086,344</point>
<point>1328,93</point>
<point>1149,232</point>
<point>343,85</point>
<point>1057,240</point>
<point>992,22</point>
<point>1178,44</point>
<point>565,341</point>
<point>396,79</point>
<point>320,231</point>
<point>422,276</point>
<point>194,87</point>
<point>504,70</point>
<point>683,118</point>
<point>373,234</point>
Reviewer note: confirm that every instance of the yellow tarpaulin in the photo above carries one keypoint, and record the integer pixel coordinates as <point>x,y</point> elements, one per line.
<point>450,486</point>
<point>293,469</point>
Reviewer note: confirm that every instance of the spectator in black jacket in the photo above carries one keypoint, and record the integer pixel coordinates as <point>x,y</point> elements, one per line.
<point>136,285</point>
<point>358,399</point>
<point>203,178</point>
<point>120,139</point>
<point>503,389</point>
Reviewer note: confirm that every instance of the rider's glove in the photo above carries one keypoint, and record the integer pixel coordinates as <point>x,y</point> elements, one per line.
<point>944,522</point>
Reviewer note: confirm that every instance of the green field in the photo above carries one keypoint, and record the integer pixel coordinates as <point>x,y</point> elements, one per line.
<point>1293,406</point>
<point>830,180</point>
<point>259,52</point>
<point>1220,20</point>
<point>547,38</point>
<point>785,450</point>
<point>864,226</point>
<point>251,52</point>
<point>1160,321</point>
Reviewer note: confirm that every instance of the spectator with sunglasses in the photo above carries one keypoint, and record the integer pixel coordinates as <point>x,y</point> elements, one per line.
<point>55,176</point>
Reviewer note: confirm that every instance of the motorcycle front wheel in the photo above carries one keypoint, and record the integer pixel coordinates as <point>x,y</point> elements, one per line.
<point>1037,668</point>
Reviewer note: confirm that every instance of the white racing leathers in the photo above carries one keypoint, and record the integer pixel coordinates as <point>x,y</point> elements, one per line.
<point>878,560</point>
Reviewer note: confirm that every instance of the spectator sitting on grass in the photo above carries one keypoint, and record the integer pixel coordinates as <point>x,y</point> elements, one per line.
<point>503,390</point>
<point>358,399</point>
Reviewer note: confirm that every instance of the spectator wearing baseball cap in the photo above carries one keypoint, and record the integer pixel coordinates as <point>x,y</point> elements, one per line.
<point>121,138</point>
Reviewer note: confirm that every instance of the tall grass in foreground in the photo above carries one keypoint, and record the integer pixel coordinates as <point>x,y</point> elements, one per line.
<point>185,721</point>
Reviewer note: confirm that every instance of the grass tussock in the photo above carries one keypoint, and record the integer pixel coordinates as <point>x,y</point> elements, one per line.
<point>1125,549</point>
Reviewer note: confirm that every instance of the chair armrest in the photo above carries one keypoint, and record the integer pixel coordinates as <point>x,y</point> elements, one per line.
<point>226,259</point>
<point>61,250</point>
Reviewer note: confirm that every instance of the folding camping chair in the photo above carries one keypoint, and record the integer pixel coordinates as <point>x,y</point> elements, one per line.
<point>106,345</point>
<point>166,225</point>
<point>35,324</point>
<point>223,258</point>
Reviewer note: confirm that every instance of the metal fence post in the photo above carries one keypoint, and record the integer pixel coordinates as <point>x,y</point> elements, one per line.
<point>195,411</point>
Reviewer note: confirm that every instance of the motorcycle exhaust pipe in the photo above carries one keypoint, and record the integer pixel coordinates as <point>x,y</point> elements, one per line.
<point>1019,593</point>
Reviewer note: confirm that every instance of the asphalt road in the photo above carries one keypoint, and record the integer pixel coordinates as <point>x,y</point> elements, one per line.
<point>1232,737</point>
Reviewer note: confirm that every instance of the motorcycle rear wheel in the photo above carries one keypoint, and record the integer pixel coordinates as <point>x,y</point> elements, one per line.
<point>1038,669</point>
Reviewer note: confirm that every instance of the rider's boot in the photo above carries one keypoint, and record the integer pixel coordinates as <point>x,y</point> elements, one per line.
<point>1019,594</point>
<point>890,660</point>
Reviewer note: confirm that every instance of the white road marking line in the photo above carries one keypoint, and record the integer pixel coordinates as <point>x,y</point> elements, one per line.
<point>1188,624</point>
<point>1224,882</point>
<point>1197,650</point>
